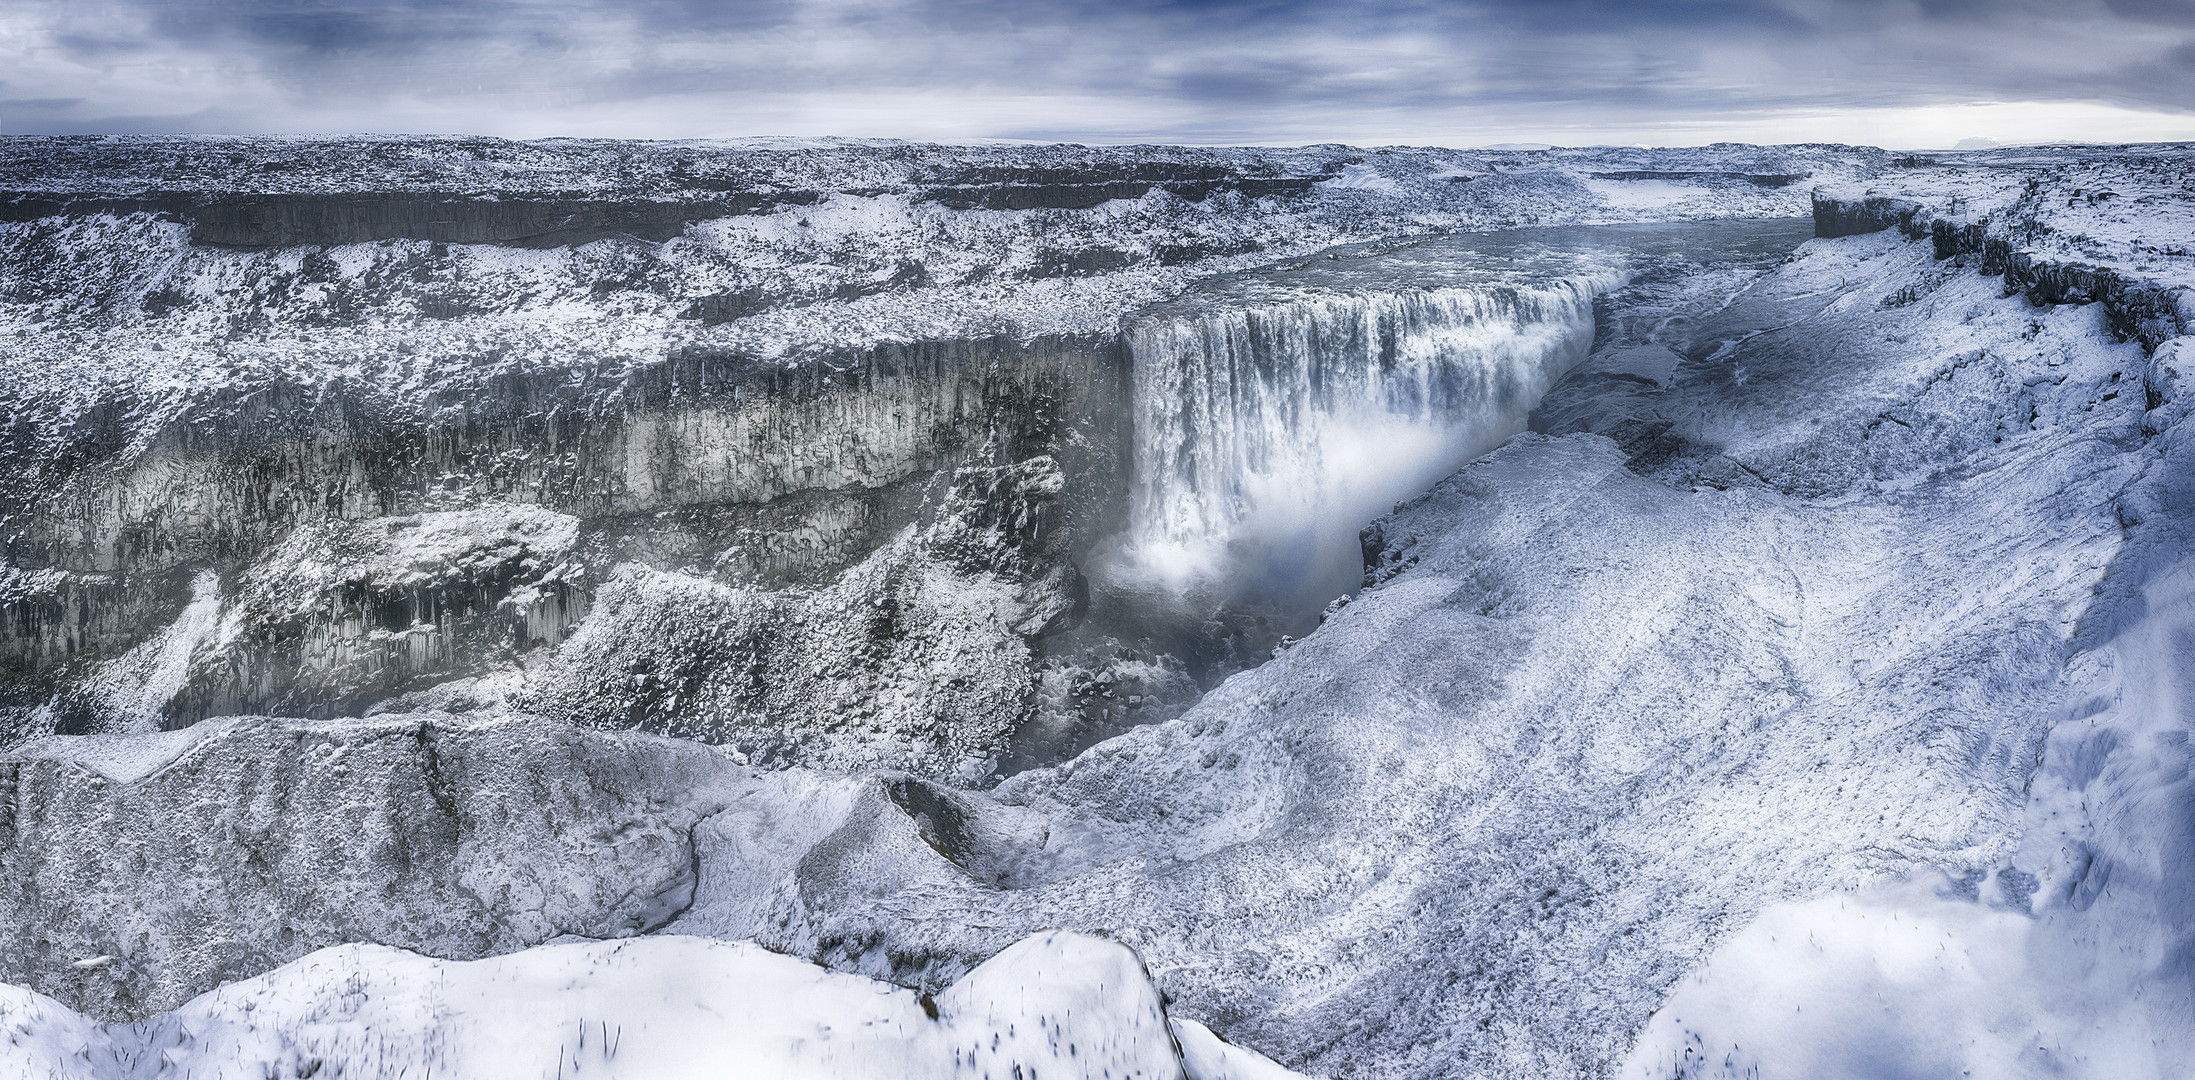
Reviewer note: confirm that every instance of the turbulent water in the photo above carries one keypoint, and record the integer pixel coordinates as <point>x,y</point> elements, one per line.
<point>1277,411</point>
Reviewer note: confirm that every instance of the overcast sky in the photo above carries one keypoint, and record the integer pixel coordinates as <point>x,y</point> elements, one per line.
<point>1900,73</point>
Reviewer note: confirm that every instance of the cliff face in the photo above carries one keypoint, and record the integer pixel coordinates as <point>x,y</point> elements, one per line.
<point>2059,225</point>
<point>2137,308</point>
<point>291,219</point>
<point>359,550</point>
<point>1834,217</point>
<point>318,427</point>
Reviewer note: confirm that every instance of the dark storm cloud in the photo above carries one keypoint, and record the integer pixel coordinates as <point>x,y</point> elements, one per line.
<point>1241,68</point>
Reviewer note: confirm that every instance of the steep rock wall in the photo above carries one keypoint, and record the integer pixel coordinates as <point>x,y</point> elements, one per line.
<point>238,468</point>
<point>317,507</point>
<point>2137,309</point>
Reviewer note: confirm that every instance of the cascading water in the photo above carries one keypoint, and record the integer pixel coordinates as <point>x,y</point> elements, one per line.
<point>1266,436</point>
<point>1278,411</point>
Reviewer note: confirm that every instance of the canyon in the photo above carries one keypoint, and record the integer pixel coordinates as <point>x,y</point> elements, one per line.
<point>1441,610</point>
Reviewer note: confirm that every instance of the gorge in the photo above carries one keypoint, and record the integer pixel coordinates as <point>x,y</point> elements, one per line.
<point>1443,612</point>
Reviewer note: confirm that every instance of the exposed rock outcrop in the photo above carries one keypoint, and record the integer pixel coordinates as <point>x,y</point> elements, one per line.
<point>317,507</point>
<point>199,857</point>
<point>1857,217</point>
<point>2138,310</point>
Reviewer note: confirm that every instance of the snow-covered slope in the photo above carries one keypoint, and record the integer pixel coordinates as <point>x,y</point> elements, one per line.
<point>661,1008</point>
<point>1796,621</point>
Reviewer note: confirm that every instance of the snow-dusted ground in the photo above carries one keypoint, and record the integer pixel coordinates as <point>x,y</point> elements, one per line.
<point>2129,209</point>
<point>1801,697</point>
<point>660,1008</point>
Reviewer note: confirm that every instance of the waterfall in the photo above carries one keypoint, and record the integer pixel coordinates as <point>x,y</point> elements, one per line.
<point>1267,435</point>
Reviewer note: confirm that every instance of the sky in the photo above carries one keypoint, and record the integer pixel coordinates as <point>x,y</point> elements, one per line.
<point>1896,73</point>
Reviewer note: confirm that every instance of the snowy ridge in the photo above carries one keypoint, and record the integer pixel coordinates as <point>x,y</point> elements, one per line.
<point>661,1008</point>
<point>2060,224</point>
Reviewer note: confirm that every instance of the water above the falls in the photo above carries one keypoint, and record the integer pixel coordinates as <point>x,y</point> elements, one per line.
<point>1278,411</point>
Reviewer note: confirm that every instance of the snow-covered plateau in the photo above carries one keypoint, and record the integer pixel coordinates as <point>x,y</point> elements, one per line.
<point>792,608</point>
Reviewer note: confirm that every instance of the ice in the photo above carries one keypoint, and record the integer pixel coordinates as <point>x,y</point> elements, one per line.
<point>139,683</point>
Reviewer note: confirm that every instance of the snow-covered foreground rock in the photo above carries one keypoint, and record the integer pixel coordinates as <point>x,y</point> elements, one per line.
<point>660,1008</point>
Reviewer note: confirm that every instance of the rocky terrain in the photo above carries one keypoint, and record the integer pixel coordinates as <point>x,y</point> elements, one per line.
<point>415,447</point>
<point>470,579</point>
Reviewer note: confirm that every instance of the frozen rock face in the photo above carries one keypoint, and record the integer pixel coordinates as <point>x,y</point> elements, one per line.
<point>920,655</point>
<point>399,552</point>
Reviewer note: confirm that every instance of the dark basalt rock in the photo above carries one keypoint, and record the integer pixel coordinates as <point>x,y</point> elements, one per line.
<point>2134,310</point>
<point>1082,196</point>
<point>1002,188</point>
<point>541,220</point>
<point>1857,217</point>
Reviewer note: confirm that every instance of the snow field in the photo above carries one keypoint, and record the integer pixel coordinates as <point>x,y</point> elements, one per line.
<point>660,1008</point>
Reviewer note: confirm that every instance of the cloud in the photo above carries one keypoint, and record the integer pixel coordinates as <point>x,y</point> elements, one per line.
<point>1203,70</point>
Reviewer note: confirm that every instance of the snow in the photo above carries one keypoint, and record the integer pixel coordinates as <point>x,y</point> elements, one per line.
<point>1205,1056</point>
<point>1607,700</point>
<point>662,1008</point>
<point>124,757</point>
<point>2127,209</point>
<point>1641,194</point>
<point>411,550</point>
<point>2064,960</point>
<point>1366,178</point>
<point>1901,981</point>
<point>140,682</point>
